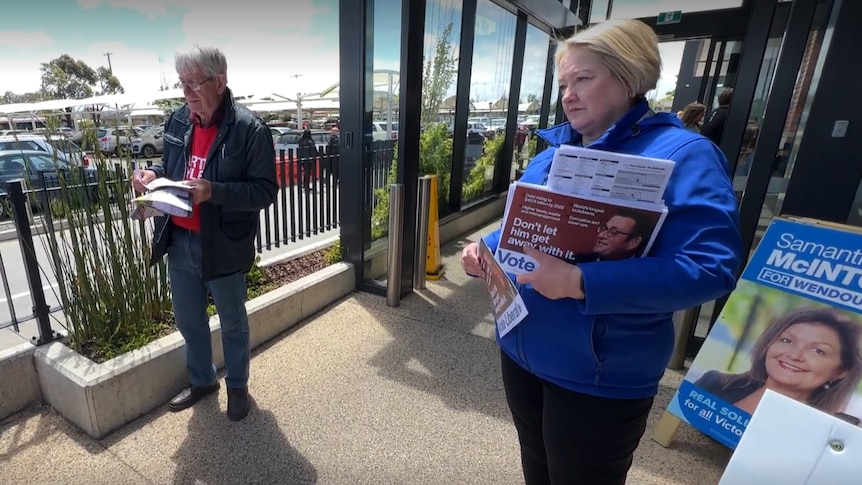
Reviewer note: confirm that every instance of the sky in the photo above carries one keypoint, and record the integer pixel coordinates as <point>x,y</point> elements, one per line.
<point>271,47</point>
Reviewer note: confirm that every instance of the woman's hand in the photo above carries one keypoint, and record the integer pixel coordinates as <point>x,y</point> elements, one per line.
<point>470,260</point>
<point>555,278</point>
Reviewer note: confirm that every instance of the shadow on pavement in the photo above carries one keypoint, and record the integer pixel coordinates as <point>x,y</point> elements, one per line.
<point>219,452</point>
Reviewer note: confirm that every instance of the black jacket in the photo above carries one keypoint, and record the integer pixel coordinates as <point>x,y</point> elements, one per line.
<point>713,128</point>
<point>241,168</point>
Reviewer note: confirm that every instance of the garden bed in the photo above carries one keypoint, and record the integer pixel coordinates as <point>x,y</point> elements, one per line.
<point>101,397</point>
<point>261,280</point>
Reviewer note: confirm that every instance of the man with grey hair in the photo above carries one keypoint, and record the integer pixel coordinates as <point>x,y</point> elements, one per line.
<point>225,155</point>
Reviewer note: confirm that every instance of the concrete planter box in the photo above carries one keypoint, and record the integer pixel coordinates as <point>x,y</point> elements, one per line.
<point>100,398</point>
<point>20,384</point>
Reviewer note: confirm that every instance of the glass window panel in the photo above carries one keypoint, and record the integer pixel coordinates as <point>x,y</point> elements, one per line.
<point>632,9</point>
<point>598,11</point>
<point>661,98</point>
<point>555,93</point>
<point>493,49</point>
<point>380,130</point>
<point>440,80</point>
<point>532,88</point>
<point>797,116</point>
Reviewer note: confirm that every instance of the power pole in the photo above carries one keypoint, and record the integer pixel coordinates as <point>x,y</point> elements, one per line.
<point>108,55</point>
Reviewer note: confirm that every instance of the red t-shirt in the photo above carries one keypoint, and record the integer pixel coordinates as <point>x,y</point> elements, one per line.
<point>202,140</point>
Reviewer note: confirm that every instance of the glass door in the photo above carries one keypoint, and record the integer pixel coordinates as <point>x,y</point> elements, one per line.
<point>781,157</point>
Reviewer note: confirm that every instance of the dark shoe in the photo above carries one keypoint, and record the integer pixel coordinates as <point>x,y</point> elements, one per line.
<point>237,403</point>
<point>190,396</point>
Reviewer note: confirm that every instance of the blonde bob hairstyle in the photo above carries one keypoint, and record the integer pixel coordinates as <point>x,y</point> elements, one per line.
<point>629,48</point>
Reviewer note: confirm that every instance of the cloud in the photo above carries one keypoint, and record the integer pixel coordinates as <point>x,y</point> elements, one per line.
<point>138,70</point>
<point>25,40</point>
<point>248,15</point>
<point>151,9</point>
<point>269,47</point>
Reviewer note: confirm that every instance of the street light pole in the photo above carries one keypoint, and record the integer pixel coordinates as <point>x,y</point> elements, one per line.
<point>108,55</point>
<point>298,104</point>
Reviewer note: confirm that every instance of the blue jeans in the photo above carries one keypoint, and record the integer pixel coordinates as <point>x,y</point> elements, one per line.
<point>189,294</point>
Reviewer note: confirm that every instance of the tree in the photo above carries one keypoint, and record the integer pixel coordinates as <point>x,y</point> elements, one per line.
<point>67,78</point>
<point>9,98</point>
<point>439,72</point>
<point>107,84</point>
<point>664,102</point>
<point>170,105</point>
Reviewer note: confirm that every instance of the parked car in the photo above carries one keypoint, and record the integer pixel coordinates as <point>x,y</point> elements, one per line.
<point>498,125</point>
<point>277,131</point>
<point>5,205</point>
<point>150,143</point>
<point>378,131</point>
<point>41,170</point>
<point>289,140</point>
<point>117,140</point>
<point>75,153</point>
<point>55,145</point>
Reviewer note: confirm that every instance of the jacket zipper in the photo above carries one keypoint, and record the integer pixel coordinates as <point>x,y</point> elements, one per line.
<point>187,150</point>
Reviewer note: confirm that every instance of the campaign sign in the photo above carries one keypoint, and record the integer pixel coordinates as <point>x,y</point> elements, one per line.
<point>792,325</point>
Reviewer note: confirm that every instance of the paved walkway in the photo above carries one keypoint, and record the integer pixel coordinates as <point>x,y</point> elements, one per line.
<point>360,394</point>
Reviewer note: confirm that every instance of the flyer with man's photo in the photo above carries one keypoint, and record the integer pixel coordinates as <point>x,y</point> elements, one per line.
<point>576,229</point>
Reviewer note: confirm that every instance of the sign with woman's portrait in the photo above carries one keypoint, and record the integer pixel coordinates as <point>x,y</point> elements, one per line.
<point>793,325</point>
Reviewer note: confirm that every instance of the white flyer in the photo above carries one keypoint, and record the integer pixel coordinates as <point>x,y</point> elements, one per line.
<point>594,173</point>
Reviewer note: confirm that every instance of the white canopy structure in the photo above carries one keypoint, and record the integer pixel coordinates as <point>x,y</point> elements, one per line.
<point>386,85</point>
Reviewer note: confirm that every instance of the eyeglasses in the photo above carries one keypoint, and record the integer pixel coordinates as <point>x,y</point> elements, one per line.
<point>194,86</point>
<point>613,231</point>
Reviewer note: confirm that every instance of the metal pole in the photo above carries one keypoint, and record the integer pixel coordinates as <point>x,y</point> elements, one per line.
<point>31,264</point>
<point>8,293</point>
<point>396,242</point>
<point>682,323</point>
<point>389,95</point>
<point>298,111</point>
<point>422,215</point>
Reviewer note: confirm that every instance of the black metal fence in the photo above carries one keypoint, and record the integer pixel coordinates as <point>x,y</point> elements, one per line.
<point>307,205</point>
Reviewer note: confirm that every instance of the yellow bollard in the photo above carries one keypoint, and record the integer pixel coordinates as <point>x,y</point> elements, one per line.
<point>433,260</point>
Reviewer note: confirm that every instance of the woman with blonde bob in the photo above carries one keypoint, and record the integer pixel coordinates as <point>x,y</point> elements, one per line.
<point>581,370</point>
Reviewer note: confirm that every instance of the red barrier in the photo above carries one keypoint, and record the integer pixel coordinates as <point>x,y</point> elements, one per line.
<point>292,169</point>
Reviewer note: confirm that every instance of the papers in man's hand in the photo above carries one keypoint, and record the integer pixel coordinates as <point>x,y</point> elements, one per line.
<point>165,196</point>
<point>164,182</point>
<point>594,173</point>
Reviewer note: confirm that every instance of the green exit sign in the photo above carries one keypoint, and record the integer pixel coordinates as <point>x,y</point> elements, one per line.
<point>666,18</point>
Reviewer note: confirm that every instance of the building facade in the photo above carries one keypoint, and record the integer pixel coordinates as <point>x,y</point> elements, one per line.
<point>788,135</point>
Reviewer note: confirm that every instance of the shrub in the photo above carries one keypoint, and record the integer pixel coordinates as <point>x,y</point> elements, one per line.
<point>475,185</point>
<point>333,253</point>
<point>114,300</point>
<point>435,158</point>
